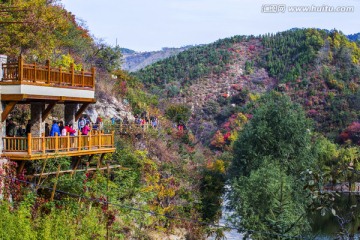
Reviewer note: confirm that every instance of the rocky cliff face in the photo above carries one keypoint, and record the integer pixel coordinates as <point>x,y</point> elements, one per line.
<point>108,108</point>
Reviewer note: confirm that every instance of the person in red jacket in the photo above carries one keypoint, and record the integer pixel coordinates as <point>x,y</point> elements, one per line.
<point>86,129</point>
<point>69,128</point>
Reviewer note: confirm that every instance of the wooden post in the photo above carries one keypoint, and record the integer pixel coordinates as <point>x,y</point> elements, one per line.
<point>56,142</point>
<point>60,74</point>
<point>72,74</point>
<point>90,144</point>
<point>82,78</point>
<point>112,138</point>
<point>48,71</point>
<point>21,167</point>
<point>68,141</point>
<point>43,143</point>
<point>54,187</point>
<point>34,72</point>
<point>98,165</point>
<point>29,143</point>
<point>60,78</point>
<point>99,135</point>
<point>79,141</point>
<point>108,175</point>
<point>93,77</point>
<point>76,164</point>
<point>21,68</point>
<point>42,171</point>
<point>87,166</point>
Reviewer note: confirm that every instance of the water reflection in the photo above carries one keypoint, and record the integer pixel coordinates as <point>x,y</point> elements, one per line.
<point>347,221</point>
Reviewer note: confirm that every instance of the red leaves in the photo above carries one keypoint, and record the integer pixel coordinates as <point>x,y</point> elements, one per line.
<point>352,133</point>
<point>226,136</point>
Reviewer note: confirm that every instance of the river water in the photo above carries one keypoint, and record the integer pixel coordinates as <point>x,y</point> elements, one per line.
<point>230,234</point>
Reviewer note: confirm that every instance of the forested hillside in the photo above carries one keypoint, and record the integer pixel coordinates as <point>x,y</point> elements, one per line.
<point>317,68</point>
<point>282,112</point>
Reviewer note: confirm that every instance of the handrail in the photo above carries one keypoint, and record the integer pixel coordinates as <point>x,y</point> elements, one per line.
<point>42,144</point>
<point>21,73</point>
<point>129,127</point>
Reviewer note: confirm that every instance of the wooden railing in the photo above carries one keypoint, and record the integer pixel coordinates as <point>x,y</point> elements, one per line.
<point>20,73</point>
<point>128,128</point>
<point>35,145</point>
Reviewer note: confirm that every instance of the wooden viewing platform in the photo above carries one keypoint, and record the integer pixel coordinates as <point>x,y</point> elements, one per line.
<point>34,148</point>
<point>33,74</point>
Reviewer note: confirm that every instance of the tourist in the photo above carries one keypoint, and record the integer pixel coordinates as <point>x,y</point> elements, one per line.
<point>154,122</point>
<point>70,129</point>
<point>142,122</point>
<point>61,126</point>
<point>137,120</point>
<point>64,130</point>
<point>98,123</point>
<point>82,123</point>
<point>47,130</point>
<point>10,128</point>
<point>28,128</point>
<point>55,130</point>
<point>126,120</point>
<point>86,129</point>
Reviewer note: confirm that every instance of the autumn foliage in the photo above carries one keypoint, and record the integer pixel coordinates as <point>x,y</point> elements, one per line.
<point>352,133</point>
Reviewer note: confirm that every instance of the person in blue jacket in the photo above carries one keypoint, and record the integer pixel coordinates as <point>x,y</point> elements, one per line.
<point>55,129</point>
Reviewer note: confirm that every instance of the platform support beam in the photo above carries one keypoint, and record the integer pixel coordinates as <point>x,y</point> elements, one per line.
<point>47,111</point>
<point>70,112</point>
<point>37,124</point>
<point>7,110</point>
<point>81,110</point>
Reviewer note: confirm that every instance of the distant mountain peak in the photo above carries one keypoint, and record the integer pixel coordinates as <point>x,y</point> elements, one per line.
<point>134,61</point>
<point>126,51</point>
<point>354,37</point>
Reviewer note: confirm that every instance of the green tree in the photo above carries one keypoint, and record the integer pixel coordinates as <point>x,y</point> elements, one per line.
<point>178,113</point>
<point>108,58</point>
<point>279,130</point>
<point>269,156</point>
<point>268,202</point>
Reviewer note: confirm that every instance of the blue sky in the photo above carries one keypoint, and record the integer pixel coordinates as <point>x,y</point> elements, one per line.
<point>145,25</point>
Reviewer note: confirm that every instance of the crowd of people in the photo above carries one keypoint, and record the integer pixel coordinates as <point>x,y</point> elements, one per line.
<point>13,130</point>
<point>57,128</point>
<point>144,120</point>
<point>84,126</point>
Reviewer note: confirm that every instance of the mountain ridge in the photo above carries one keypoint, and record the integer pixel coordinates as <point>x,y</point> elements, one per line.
<point>220,79</point>
<point>134,61</point>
